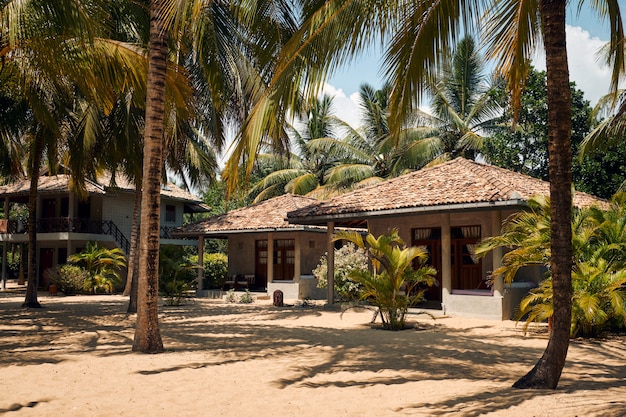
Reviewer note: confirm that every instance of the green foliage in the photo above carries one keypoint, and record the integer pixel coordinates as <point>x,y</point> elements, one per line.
<point>215,269</point>
<point>599,271</point>
<point>176,275</point>
<point>246,298</point>
<point>230,296</point>
<point>347,259</point>
<point>102,266</point>
<point>69,278</point>
<point>392,285</point>
<point>523,147</point>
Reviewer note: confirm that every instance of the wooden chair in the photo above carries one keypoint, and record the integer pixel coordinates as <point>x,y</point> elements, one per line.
<point>229,282</point>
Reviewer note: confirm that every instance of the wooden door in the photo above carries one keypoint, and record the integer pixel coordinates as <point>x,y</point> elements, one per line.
<point>430,240</point>
<point>260,264</point>
<point>46,261</point>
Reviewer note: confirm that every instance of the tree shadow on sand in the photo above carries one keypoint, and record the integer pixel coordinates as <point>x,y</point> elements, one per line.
<point>319,356</point>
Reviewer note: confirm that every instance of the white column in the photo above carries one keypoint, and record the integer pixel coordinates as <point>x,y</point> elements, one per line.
<point>330,261</point>
<point>270,257</point>
<point>498,283</point>
<point>446,260</point>
<point>4,245</point>
<point>70,215</point>
<point>200,278</point>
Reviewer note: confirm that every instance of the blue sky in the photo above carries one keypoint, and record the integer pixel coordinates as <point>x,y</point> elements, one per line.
<point>585,35</point>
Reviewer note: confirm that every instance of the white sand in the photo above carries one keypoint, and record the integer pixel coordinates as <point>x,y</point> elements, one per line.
<point>73,358</point>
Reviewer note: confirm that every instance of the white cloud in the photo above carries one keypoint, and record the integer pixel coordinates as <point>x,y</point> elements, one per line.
<point>345,108</point>
<point>591,75</point>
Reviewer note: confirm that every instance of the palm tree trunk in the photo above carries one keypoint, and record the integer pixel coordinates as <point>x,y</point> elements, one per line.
<point>147,334</point>
<point>133,263</point>
<point>547,371</point>
<point>31,287</point>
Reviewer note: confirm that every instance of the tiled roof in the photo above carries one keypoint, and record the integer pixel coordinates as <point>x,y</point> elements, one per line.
<point>60,183</point>
<point>455,184</point>
<point>266,215</point>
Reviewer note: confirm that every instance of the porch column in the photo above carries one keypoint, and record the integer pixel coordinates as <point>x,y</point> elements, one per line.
<point>4,245</point>
<point>200,278</point>
<point>330,260</point>
<point>496,254</point>
<point>446,260</point>
<point>70,220</point>
<point>270,257</point>
<point>297,262</point>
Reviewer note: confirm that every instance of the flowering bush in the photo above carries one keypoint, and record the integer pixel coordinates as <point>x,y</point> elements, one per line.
<point>348,258</point>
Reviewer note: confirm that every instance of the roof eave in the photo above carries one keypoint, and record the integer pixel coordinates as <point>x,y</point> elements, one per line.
<point>445,208</point>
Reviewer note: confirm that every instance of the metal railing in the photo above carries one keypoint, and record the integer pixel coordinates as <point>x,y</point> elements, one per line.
<point>72,225</point>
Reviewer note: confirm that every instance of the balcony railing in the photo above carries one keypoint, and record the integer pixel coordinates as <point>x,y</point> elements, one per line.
<point>72,225</point>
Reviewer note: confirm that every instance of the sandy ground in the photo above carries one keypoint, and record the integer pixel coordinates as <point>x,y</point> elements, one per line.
<point>73,358</point>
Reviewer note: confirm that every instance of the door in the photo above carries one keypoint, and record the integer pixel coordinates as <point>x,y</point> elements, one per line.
<point>46,261</point>
<point>260,263</point>
<point>284,259</point>
<point>429,239</point>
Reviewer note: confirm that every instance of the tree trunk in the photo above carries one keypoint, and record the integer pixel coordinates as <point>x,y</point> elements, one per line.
<point>547,371</point>
<point>147,334</point>
<point>133,263</point>
<point>31,288</point>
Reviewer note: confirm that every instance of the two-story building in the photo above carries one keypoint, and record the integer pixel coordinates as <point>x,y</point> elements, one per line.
<point>65,223</point>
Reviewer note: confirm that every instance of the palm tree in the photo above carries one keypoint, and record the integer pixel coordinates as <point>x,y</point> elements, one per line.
<point>303,171</point>
<point>334,31</point>
<point>463,104</point>
<point>372,153</point>
<point>102,266</point>
<point>598,274</point>
<point>392,285</point>
<point>240,42</point>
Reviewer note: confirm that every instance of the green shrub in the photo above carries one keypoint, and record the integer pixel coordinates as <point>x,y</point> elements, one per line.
<point>246,298</point>
<point>176,275</point>
<point>102,266</point>
<point>70,279</point>
<point>230,296</point>
<point>347,259</point>
<point>215,269</point>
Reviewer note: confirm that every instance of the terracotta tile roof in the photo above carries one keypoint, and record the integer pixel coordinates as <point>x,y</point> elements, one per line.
<point>269,214</point>
<point>59,183</point>
<point>46,184</point>
<point>459,183</point>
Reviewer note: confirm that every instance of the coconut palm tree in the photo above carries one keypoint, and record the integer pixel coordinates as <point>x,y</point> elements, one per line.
<point>241,41</point>
<point>463,104</point>
<point>333,31</point>
<point>304,170</point>
<point>372,153</point>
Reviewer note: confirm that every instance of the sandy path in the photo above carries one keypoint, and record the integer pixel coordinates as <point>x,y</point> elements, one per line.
<point>73,358</point>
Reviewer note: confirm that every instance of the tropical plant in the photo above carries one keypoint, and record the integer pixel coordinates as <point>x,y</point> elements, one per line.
<point>392,285</point>
<point>347,259</point>
<point>598,274</point>
<point>246,298</point>
<point>176,275</point>
<point>69,278</point>
<point>463,103</point>
<point>102,265</point>
<point>304,170</point>
<point>215,267</point>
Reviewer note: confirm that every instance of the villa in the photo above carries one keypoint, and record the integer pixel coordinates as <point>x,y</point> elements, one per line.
<point>446,209</point>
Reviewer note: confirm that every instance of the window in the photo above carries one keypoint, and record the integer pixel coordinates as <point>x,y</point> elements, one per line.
<point>170,213</point>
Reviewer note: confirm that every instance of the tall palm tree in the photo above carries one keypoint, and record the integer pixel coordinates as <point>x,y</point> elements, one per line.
<point>333,31</point>
<point>373,153</point>
<point>235,51</point>
<point>303,171</point>
<point>463,104</point>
